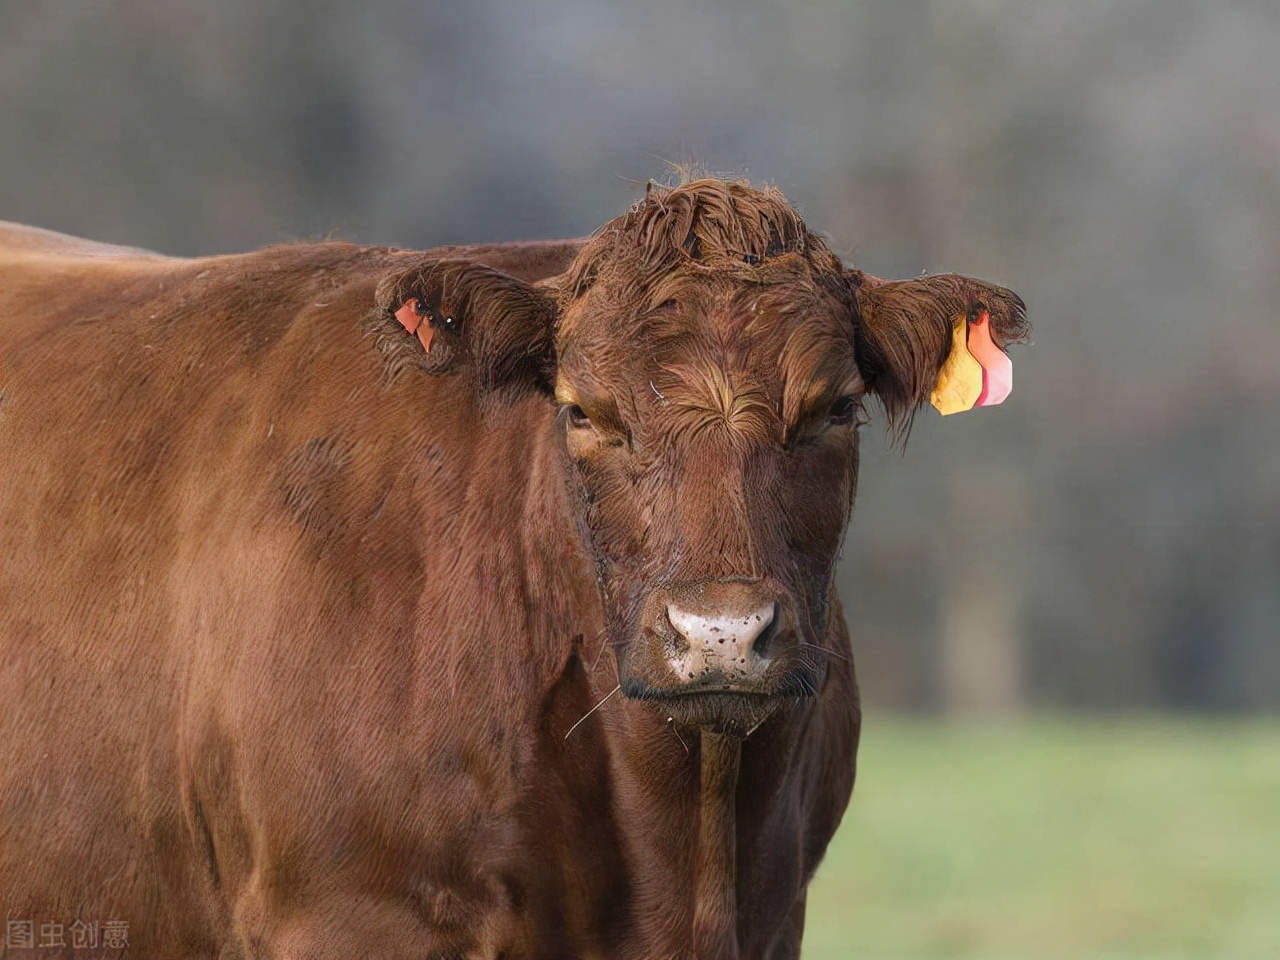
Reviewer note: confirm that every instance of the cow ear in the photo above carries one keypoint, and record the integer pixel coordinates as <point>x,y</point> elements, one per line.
<point>450,315</point>
<point>939,338</point>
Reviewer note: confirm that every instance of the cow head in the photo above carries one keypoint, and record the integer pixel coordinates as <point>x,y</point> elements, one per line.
<point>711,361</point>
<point>713,358</point>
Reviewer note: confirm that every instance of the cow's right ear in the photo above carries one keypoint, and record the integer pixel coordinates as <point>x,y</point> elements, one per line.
<point>939,338</point>
<point>450,315</point>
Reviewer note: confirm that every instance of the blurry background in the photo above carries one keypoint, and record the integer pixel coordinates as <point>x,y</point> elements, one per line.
<point>1078,593</point>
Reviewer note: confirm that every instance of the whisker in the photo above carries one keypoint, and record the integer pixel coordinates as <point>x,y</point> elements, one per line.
<point>826,650</point>
<point>600,652</point>
<point>672,724</point>
<point>593,710</point>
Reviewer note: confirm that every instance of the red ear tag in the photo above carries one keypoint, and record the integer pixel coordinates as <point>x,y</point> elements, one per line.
<point>997,369</point>
<point>411,316</point>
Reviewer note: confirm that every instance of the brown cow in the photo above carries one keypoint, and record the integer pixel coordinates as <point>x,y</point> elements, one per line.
<point>312,628</point>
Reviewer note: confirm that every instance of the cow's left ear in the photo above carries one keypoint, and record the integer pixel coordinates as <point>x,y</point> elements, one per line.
<point>445,316</point>
<point>939,338</point>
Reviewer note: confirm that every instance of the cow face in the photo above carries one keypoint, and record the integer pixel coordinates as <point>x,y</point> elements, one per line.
<point>713,358</point>
<point>712,435</point>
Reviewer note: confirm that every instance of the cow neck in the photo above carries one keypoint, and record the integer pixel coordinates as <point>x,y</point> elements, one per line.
<point>715,905</point>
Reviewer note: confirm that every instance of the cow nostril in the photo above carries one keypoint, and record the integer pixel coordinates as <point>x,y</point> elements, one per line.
<point>765,638</point>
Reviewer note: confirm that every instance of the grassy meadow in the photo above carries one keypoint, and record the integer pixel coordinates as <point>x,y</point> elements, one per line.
<point>1119,839</point>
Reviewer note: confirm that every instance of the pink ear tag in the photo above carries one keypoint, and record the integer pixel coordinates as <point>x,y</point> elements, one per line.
<point>960,381</point>
<point>411,316</point>
<point>997,368</point>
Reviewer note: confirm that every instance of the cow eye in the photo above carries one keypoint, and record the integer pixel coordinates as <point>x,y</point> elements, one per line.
<point>843,411</point>
<point>578,418</point>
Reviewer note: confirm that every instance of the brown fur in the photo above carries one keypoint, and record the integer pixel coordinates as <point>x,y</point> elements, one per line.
<point>299,625</point>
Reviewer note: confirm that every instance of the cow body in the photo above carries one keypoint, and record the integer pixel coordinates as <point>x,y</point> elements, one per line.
<point>292,648</point>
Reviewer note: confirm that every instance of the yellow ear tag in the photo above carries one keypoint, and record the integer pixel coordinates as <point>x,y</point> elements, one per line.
<point>960,380</point>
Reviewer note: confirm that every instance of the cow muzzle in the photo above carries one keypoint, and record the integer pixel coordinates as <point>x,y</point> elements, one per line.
<point>713,648</point>
<point>729,642</point>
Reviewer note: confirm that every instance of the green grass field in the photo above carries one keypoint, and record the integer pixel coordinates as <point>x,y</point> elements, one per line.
<point>1117,839</point>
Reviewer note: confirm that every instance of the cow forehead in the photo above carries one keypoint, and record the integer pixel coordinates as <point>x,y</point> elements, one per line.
<point>734,325</point>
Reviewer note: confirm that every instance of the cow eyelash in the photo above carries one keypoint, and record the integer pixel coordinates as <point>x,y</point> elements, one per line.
<point>843,411</point>
<point>578,418</point>
<point>846,410</point>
